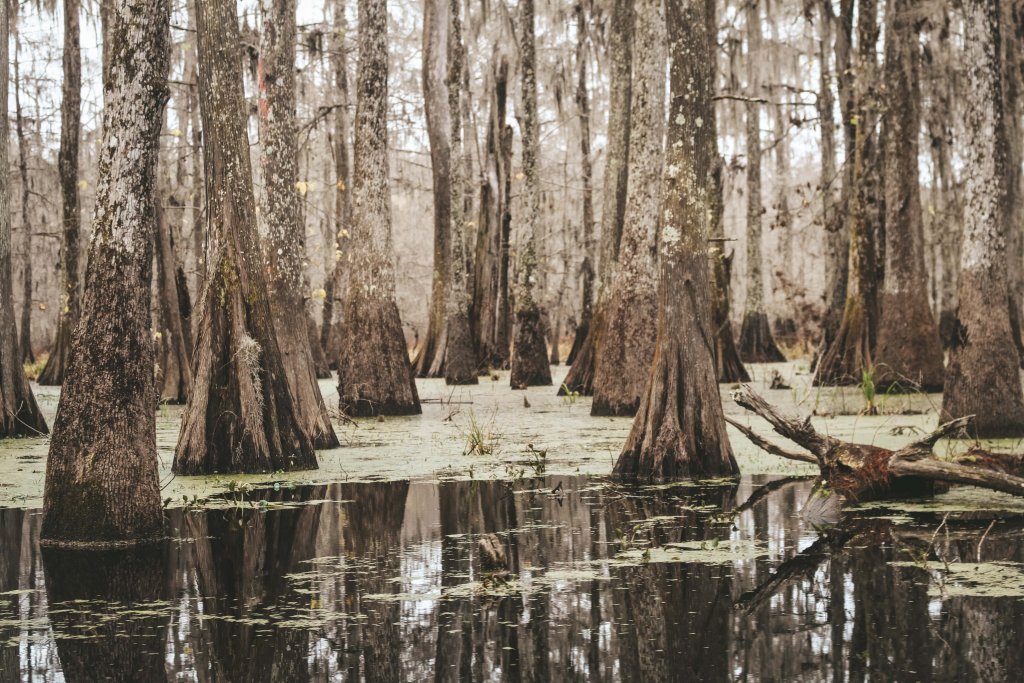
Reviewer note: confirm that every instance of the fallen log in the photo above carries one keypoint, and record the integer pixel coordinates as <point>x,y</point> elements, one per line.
<point>851,472</point>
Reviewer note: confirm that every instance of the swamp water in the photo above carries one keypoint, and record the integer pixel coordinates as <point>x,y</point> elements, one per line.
<point>372,569</point>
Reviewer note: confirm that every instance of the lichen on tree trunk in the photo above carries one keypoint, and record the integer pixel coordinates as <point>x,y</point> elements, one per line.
<point>679,429</point>
<point>983,377</point>
<point>625,346</point>
<point>102,484</point>
<point>374,373</point>
<point>240,416</point>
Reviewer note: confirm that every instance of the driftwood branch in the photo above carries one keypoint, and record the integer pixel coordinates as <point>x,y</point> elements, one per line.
<point>932,468</point>
<point>800,432</point>
<point>769,447</point>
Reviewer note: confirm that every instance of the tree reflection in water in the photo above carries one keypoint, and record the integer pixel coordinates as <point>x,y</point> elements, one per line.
<point>384,581</point>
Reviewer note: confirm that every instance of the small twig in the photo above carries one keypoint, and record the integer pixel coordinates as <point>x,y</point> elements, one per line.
<point>983,536</point>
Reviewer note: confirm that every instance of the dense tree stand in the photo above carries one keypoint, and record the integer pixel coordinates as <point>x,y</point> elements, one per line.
<point>102,485</point>
<point>680,427</point>
<point>983,375</point>
<point>240,416</point>
<point>529,352</point>
<point>19,414</point>
<point>67,163</point>
<point>283,216</point>
<point>852,472</point>
<point>374,374</point>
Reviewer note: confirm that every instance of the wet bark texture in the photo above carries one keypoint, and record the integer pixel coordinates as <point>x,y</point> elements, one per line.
<point>909,354</point>
<point>67,165</point>
<point>580,378</point>
<point>460,364</point>
<point>240,416</point>
<point>626,343</point>
<point>529,353</point>
<point>283,218</point>
<point>102,484</point>
<point>680,427</point>
<point>850,354</point>
<point>983,378</point>
<point>19,414</point>
<point>757,345</point>
<point>374,374</point>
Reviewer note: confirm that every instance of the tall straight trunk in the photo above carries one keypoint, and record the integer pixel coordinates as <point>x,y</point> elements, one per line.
<point>626,344</point>
<point>850,355</point>
<point>586,178</point>
<point>343,187</point>
<point>460,356</point>
<point>580,378</point>
<point>25,329</point>
<point>19,414</point>
<point>909,355</point>
<point>285,242</point>
<point>439,127</point>
<point>983,377</point>
<point>102,484</point>
<point>67,165</point>
<point>680,427</point>
<point>1011,49</point>
<point>197,195</point>
<point>175,343</point>
<point>374,374</point>
<point>757,345</point>
<point>240,416</point>
<point>529,354</point>
<point>837,238</point>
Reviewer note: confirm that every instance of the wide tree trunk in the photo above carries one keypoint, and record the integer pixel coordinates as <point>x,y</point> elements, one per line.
<point>983,378</point>
<point>19,414</point>
<point>757,345</point>
<point>430,355</point>
<point>680,427</point>
<point>374,374</point>
<point>285,242</point>
<point>460,365</point>
<point>240,416</point>
<point>850,354</point>
<point>580,378</point>
<point>529,353</point>
<point>67,165</point>
<point>102,484</point>
<point>625,346</point>
<point>909,355</point>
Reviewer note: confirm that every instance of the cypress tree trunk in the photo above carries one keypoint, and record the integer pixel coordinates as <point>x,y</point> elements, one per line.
<point>626,344</point>
<point>909,355</point>
<point>529,353</point>
<point>983,378</point>
<point>240,416</point>
<point>430,355</point>
<point>67,164</point>
<point>19,414</point>
<point>102,484</point>
<point>175,342</point>
<point>680,427</point>
<point>27,354</point>
<point>756,342</point>
<point>613,205</point>
<point>283,218</point>
<point>460,358</point>
<point>850,355</point>
<point>374,374</point>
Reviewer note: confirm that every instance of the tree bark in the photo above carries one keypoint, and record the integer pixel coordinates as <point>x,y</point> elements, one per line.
<point>374,374</point>
<point>27,353</point>
<point>680,427</point>
<point>460,363</point>
<point>19,414</point>
<point>529,353</point>
<point>626,345</point>
<point>983,378</point>
<point>67,163</point>
<point>240,416</point>
<point>580,378</point>
<point>909,354</point>
<point>757,345</point>
<point>175,341</point>
<point>102,484</point>
<point>285,242</point>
